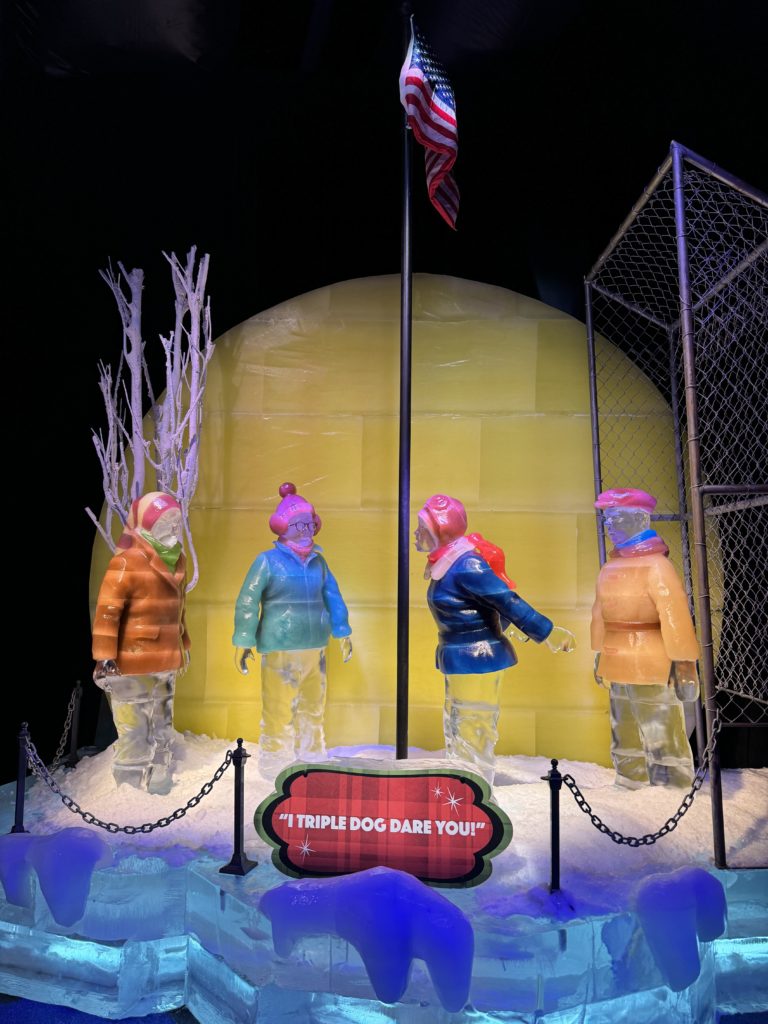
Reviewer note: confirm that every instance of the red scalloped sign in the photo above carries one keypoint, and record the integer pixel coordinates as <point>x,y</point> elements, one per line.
<point>437,825</point>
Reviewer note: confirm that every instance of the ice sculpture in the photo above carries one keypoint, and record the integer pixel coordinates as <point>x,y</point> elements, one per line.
<point>390,918</point>
<point>675,910</point>
<point>64,862</point>
<point>288,606</point>
<point>473,603</point>
<point>646,644</point>
<point>15,869</point>
<point>140,639</point>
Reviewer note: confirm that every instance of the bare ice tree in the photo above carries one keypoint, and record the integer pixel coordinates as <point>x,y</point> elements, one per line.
<point>172,450</point>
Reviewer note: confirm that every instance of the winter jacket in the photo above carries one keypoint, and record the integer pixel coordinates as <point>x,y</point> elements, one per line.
<point>640,620</point>
<point>287,603</point>
<point>139,621</point>
<point>472,607</point>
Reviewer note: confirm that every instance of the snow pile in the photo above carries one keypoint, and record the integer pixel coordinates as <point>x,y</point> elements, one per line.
<point>519,791</point>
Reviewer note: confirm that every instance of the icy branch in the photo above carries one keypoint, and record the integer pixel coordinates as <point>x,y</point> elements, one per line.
<point>173,450</point>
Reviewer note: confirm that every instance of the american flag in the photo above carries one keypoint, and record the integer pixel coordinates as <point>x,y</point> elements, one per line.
<point>427,96</point>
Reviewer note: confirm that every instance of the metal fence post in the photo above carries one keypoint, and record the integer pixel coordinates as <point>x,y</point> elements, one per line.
<point>21,778</point>
<point>239,864</point>
<point>555,780</point>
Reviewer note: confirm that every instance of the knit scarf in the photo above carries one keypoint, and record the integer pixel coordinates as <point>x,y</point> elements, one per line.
<point>169,555</point>
<point>648,542</point>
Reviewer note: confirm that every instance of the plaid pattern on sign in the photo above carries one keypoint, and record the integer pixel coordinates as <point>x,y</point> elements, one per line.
<point>433,825</point>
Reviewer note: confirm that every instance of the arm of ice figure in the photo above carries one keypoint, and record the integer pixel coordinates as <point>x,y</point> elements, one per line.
<point>105,668</point>
<point>515,634</point>
<point>561,639</point>
<point>242,655</point>
<point>345,642</point>
<point>598,678</point>
<point>685,677</point>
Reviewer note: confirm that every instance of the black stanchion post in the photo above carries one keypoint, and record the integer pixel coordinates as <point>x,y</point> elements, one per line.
<point>21,778</point>
<point>74,729</point>
<point>555,780</point>
<point>239,864</point>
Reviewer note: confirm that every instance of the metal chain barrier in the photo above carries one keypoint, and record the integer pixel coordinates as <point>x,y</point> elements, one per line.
<point>671,823</point>
<point>67,726</point>
<point>38,768</point>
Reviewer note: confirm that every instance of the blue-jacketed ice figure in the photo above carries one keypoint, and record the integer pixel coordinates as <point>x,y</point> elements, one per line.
<point>288,606</point>
<point>474,604</point>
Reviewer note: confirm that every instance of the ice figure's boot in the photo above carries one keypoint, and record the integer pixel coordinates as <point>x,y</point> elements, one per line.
<point>160,775</point>
<point>627,751</point>
<point>293,697</point>
<point>661,720</point>
<point>471,720</point>
<point>132,700</point>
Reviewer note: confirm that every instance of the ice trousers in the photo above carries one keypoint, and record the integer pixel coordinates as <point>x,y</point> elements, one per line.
<point>649,742</point>
<point>471,720</point>
<point>142,710</point>
<point>293,685</point>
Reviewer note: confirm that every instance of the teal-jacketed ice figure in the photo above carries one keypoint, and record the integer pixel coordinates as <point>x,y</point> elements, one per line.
<point>474,605</point>
<point>288,607</point>
<point>646,646</point>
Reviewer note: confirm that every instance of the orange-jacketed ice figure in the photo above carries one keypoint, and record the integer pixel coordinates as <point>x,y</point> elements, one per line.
<point>646,644</point>
<point>288,607</point>
<point>140,639</point>
<point>474,605</point>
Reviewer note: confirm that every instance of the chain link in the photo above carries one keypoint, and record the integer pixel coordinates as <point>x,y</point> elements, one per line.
<point>67,726</point>
<point>671,823</point>
<point>38,768</point>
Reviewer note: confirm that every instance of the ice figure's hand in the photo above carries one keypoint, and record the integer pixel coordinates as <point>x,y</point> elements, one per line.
<point>242,654</point>
<point>104,669</point>
<point>514,634</point>
<point>598,678</point>
<point>346,648</point>
<point>686,679</point>
<point>561,639</point>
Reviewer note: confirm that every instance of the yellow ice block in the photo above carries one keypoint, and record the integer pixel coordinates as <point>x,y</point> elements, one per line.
<point>308,392</point>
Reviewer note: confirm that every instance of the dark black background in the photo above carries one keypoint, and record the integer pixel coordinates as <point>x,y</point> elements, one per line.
<point>269,135</point>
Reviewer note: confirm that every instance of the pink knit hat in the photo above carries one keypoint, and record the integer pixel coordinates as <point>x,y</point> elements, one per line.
<point>444,517</point>
<point>144,513</point>
<point>146,510</point>
<point>291,506</point>
<point>628,497</point>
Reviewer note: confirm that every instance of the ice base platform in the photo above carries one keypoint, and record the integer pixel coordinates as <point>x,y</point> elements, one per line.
<point>156,937</point>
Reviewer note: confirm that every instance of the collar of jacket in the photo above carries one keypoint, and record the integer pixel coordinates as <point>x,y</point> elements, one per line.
<point>441,559</point>
<point>157,564</point>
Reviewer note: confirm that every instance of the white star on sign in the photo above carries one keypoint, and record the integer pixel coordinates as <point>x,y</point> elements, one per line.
<point>437,791</point>
<point>304,848</point>
<point>453,801</point>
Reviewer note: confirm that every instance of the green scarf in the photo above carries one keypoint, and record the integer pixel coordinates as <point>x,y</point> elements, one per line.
<point>169,555</point>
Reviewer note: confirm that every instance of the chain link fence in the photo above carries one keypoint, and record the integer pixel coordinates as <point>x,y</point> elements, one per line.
<point>677,317</point>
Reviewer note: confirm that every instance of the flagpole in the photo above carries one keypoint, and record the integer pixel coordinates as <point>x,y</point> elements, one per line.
<point>404,466</point>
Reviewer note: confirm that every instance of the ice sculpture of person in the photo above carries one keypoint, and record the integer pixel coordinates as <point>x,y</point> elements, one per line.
<point>140,641</point>
<point>288,606</point>
<point>473,606</point>
<point>646,644</point>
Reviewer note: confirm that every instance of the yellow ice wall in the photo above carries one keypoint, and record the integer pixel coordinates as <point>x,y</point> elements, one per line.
<point>308,392</point>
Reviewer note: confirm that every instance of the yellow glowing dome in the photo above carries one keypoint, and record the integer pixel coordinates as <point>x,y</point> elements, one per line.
<point>308,392</point>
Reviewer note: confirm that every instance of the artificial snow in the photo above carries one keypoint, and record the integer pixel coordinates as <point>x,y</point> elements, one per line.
<point>593,868</point>
<point>163,927</point>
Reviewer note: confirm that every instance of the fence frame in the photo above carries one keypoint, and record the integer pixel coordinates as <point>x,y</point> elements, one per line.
<point>680,331</point>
